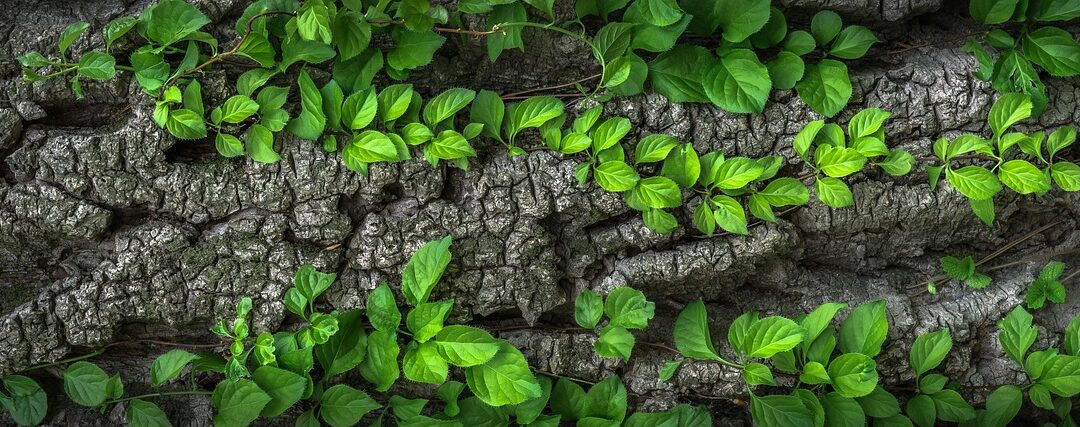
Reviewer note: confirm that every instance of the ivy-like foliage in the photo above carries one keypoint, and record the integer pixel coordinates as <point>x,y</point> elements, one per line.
<point>838,382</point>
<point>1054,50</point>
<point>962,269</point>
<point>625,308</point>
<point>1017,172</point>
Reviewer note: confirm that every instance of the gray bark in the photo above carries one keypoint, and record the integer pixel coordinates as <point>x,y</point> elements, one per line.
<point>111,230</point>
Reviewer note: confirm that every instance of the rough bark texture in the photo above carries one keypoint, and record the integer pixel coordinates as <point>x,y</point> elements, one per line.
<point>110,230</point>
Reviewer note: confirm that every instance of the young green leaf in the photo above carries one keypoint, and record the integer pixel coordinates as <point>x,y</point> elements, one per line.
<point>185,124</point>
<point>1016,334</point>
<point>974,182</point>
<point>1007,110</point>
<point>952,407</point>
<point>142,413</point>
<point>692,336</point>
<point>343,406</point>
<point>424,270</point>
<point>991,11</point>
<point>615,342</point>
<point>627,307</point>
<point>446,105</point>
<point>422,363</point>
<point>85,383</point>
<point>382,310</point>
<point>345,349</point>
<point>465,345</point>
<point>853,374</point>
<point>170,21</point>
<point>427,319</point>
<point>311,121</point>
<point>780,411</point>
<point>488,109</point>
<point>588,308</point>
<point>1023,177</point>
<point>238,402</point>
<point>504,379</point>
<point>865,329</point>
<point>758,374</point>
<point>786,70</point>
<point>351,34</point>
<point>825,87</point>
<point>97,65</point>
<point>729,214</point>
<point>852,42</point>
<point>834,192</point>
<point>284,388</point>
<point>677,74</point>
<point>168,366</point>
<point>380,366</point>
<point>259,144</point>
<point>929,350</point>
<point>412,49</point>
<point>825,26</point>
<point>772,335</point>
<point>607,400</point>
<point>738,82</point>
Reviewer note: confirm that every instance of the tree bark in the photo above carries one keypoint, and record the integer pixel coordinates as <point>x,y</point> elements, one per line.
<point>113,231</point>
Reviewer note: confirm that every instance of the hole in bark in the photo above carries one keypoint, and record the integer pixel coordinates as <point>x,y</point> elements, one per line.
<point>394,191</point>
<point>453,186</point>
<point>192,151</point>
<point>82,115</point>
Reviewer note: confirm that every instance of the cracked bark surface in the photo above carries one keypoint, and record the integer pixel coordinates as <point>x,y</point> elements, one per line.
<point>111,230</point>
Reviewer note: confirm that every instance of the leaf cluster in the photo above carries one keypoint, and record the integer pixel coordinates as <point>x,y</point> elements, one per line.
<point>624,308</point>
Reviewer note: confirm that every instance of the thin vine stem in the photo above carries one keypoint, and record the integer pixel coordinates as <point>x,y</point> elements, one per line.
<point>160,394</point>
<point>559,86</point>
<point>221,56</point>
<point>95,353</point>
<point>596,52</point>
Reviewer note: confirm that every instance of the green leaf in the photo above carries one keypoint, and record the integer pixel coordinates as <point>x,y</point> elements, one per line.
<point>922,410</point>
<point>1054,10</point>
<point>1023,177</point>
<point>627,307</point>
<point>842,411</point>
<point>834,192</point>
<point>669,369</point>
<point>295,49</point>
<point>735,173</point>
<point>170,21</point>
<point>682,166</point>
<point>742,18</point>
<point>446,105</point>
<point>692,336</point>
<point>1066,175</point>
<point>532,113</point>
<point>311,282</point>
<point>168,366</point>
<point>615,342</point>
<point>568,400</point>
<point>780,411</point>
<point>238,108</point>
<point>497,43</point>
<point>27,404</point>
<point>818,321</point>
<point>974,182</point>
<point>1054,49</point>
<point>825,87</point>
<point>852,42</point>
<point>609,133</point>
<point>952,407</point>
<point>141,413</point>
<point>678,73</point>
<point>69,35</point>
<point>929,350</point>
<point>786,70</point>
<point>660,13</point>
<point>992,11</point>
<point>449,393</point>
<point>758,374</point>
<point>422,363</point>
<point>799,42</point>
<point>704,219</point>
<point>424,269</point>
<point>371,146</point>
<point>865,329</point>
<point>311,121</point>
<point>382,311</point>
<point>616,176</point>
<point>313,22</point>
<point>1002,405</point>
<point>412,49</point>
<point>853,374</point>
<point>772,335</point>
<point>773,32</point>
<point>825,26</point>
<point>1017,334</point>
<point>729,215</point>
<point>785,192</point>
<point>1062,375</point>
<point>656,192</point>
<point>343,406</point>
<point>932,383</point>
<point>1061,138</point>
<point>465,345</point>
<point>345,349</point>
<point>260,144</point>
<point>588,308</point>
<point>814,373</point>
<point>85,383</point>
<point>1040,396</point>
<point>867,122</point>
<point>228,145</point>
<point>659,220</point>
<point>380,366</point>
<point>897,163</point>
<point>984,209</point>
<point>427,319</point>
<point>839,162</point>
<point>284,388</point>
<point>607,400</point>
<point>116,29</point>
<point>488,109</point>
<point>359,109</point>
<point>1007,110</point>
<point>257,48</point>
<point>97,65</point>
<point>185,124</point>
<point>351,33</point>
<point>504,379</point>
<point>238,402</point>
<point>1072,336</point>
<point>738,82</point>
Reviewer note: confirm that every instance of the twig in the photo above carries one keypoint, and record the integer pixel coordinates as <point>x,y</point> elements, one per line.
<point>559,86</point>
<point>443,29</point>
<point>221,56</point>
